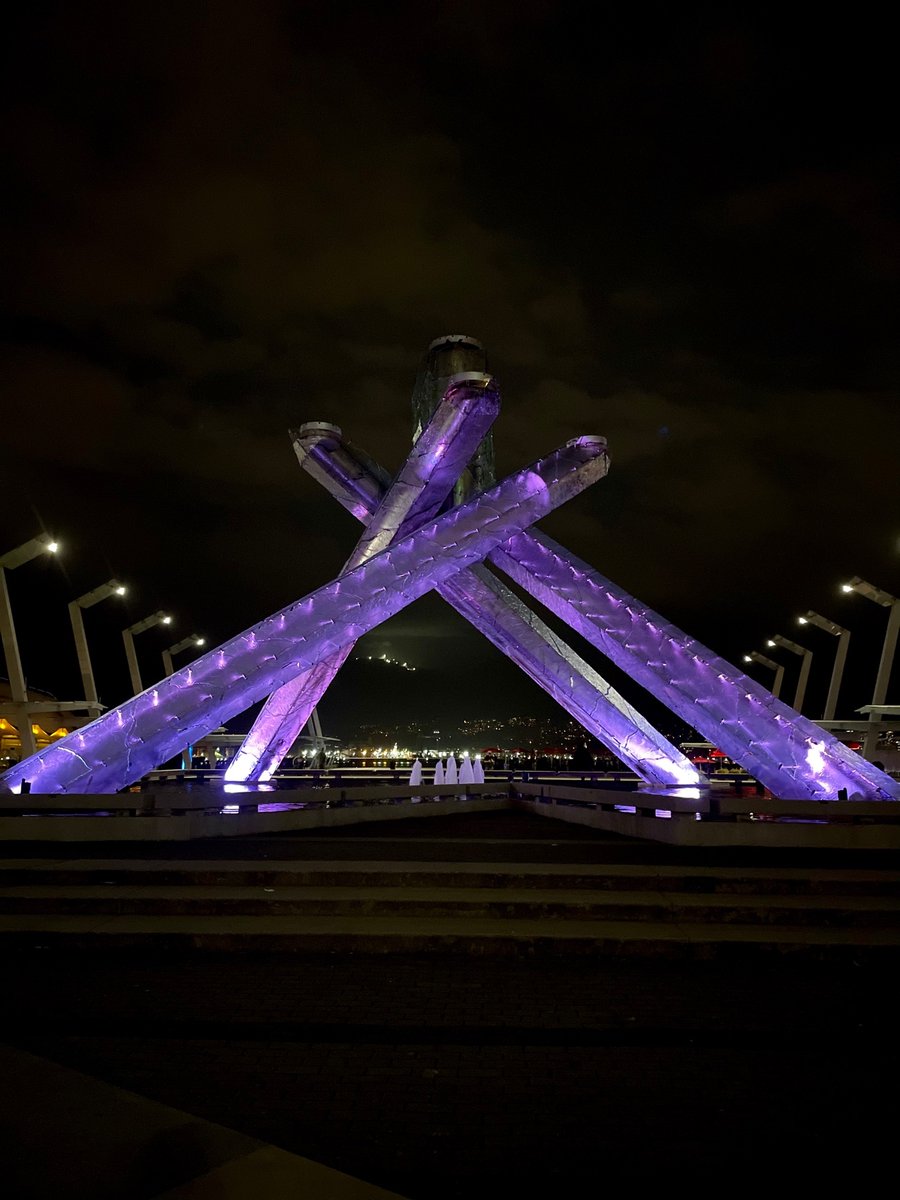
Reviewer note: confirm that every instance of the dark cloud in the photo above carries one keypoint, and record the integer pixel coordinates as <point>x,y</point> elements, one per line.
<point>225,220</point>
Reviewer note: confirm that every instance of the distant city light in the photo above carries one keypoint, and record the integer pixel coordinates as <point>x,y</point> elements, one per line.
<point>385,658</point>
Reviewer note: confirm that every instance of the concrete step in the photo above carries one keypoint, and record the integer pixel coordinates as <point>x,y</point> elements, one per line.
<point>471,894</point>
<point>510,903</point>
<point>438,935</point>
<point>702,880</point>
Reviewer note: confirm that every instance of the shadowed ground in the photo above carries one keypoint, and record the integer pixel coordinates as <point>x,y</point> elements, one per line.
<point>453,1076</point>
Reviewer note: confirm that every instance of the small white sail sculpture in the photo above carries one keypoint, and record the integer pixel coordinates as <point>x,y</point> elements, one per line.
<point>466,775</point>
<point>438,773</point>
<point>450,775</point>
<point>478,771</point>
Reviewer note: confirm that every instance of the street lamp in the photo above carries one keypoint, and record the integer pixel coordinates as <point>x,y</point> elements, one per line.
<point>806,655</point>
<point>88,600</point>
<point>128,635</point>
<point>840,657</point>
<point>42,544</point>
<point>184,644</point>
<point>754,656</point>
<point>886,600</point>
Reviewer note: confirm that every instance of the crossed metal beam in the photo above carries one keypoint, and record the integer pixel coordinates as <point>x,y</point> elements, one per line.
<point>126,742</point>
<point>791,755</point>
<point>439,455</point>
<point>411,546</point>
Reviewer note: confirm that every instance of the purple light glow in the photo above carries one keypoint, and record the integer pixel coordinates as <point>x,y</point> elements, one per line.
<point>438,457</point>
<point>508,623</point>
<point>815,759</point>
<point>771,741</point>
<point>229,679</point>
<point>408,550</point>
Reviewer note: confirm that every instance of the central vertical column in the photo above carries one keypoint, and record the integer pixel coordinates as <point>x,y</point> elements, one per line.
<point>445,357</point>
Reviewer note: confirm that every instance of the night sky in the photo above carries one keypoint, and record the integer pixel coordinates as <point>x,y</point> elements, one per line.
<point>223,220</point>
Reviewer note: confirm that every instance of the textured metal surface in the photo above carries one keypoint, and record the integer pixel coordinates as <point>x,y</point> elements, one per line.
<point>444,358</point>
<point>364,481</point>
<point>126,742</point>
<point>791,755</point>
<point>510,625</point>
<point>465,412</point>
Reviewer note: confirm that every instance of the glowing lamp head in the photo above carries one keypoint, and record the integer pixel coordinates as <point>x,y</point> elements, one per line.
<point>802,621</point>
<point>770,642</point>
<point>167,620</point>
<point>747,658</point>
<point>200,642</point>
<point>845,587</point>
<point>120,590</point>
<point>52,547</point>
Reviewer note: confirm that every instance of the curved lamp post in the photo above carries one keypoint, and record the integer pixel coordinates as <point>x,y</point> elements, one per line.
<point>806,655</point>
<point>88,600</point>
<point>128,635</point>
<point>840,656</point>
<point>42,544</point>
<point>889,646</point>
<point>754,656</point>
<point>184,644</point>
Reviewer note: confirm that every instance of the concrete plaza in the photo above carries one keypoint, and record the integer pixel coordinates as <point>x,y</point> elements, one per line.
<point>448,1075</point>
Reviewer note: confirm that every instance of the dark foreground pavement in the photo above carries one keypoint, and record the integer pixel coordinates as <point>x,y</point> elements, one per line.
<point>452,1076</point>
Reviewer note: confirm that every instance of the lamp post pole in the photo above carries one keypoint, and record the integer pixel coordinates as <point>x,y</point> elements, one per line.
<point>88,600</point>
<point>754,656</point>
<point>128,635</point>
<point>184,644</point>
<point>887,654</point>
<point>840,657</point>
<point>806,655</point>
<point>888,649</point>
<point>43,544</point>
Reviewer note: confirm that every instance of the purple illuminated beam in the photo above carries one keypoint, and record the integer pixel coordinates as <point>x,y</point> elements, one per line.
<point>504,620</point>
<point>466,412</point>
<point>498,613</point>
<point>792,756</point>
<point>126,742</point>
